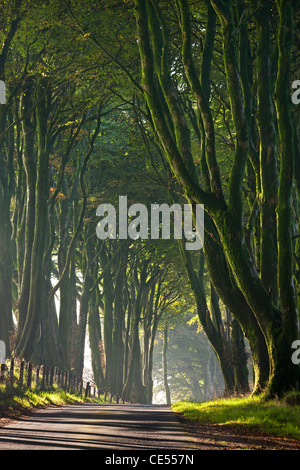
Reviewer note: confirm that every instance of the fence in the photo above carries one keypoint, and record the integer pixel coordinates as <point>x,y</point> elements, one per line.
<point>25,375</point>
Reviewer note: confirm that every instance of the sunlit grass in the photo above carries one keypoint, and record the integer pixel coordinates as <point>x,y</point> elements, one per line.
<point>274,417</point>
<point>14,401</point>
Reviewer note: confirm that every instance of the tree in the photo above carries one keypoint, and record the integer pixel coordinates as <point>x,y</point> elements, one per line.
<point>12,18</point>
<point>227,211</point>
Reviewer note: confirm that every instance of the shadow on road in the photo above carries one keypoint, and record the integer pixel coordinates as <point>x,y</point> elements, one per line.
<point>97,426</point>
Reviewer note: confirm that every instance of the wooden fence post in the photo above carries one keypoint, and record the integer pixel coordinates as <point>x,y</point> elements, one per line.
<point>43,378</point>
<point>71,375</point>
<point>47,375</point>
<point>29,376</point>
<point>66,380</point>
<point>2,373</point>
<point>54,375</point>
<point>11,371</point>
<point>75,382</point>
<point>51,375</point>
<point>37,378</point>
<point>21,377</point>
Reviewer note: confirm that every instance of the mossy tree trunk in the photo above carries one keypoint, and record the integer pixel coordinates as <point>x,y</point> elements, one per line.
<point>239,359</point>
<point>267,156</point>
<point>229,292</point>
<point>284,373</point>
<point>31,332</point>
<point>28,157</point>
<point>7,181</point>
<point>6,188</point>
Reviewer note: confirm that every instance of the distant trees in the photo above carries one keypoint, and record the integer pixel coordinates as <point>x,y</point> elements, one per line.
<point>137,280</point>
<point>185,364</point>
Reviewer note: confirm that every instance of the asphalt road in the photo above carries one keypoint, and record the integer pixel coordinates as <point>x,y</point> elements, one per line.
<point>97,426</point>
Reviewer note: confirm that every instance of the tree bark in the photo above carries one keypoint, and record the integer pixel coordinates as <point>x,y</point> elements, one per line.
<point>31,332</point>
<point>96,342</point>
<point>165,366</point>
<point>28,158</point>
<point>6,320</point>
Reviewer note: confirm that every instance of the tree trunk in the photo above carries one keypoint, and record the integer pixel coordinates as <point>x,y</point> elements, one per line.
<point>133,387</point>
<point>108,317</point>
<point>267,157</point>
<point>239,359</point>
<point>87,284</point>
<point>227,289</point>
<point>165,366</point>
<point>119,326</point>
<point>210,323</point>
<point>285,375</point>
<point>30,172</point>
<point>6,320</point>
<point>31,332</point>
<point>95,338</point>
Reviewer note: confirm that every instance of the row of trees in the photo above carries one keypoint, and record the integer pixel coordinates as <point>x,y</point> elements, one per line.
<point>163,102</point>
<point>58,162</point>
<point>251,220</point>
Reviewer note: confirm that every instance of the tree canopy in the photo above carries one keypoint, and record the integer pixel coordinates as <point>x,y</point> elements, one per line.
<point>165,102</point>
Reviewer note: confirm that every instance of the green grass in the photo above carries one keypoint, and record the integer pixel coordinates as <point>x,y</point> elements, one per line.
<point>14,402</point>
<point>274,417</point>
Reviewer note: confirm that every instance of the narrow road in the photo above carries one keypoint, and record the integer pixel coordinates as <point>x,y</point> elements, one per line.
<point>97,426</point>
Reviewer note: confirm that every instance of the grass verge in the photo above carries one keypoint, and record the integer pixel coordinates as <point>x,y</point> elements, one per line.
<point>251,413</point>
<point>17,401</point>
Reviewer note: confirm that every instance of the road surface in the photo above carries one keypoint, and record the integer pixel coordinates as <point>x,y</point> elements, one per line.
<point>97,426</point>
